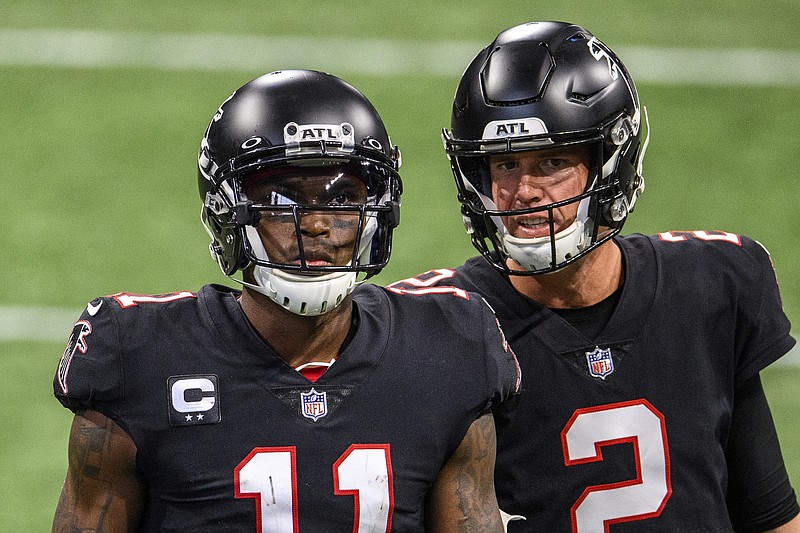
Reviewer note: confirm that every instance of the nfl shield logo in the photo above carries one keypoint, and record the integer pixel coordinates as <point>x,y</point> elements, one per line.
<point>600,362</point>
<point>315,404</point>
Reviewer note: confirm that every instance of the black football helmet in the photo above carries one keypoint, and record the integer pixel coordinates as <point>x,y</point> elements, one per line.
<point>544,85</point>
<point>297,122</point>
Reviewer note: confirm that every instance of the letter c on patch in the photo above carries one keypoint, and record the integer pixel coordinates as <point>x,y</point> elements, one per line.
<point>201,388</point>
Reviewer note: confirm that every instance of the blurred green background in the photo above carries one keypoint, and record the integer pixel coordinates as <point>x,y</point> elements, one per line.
<point>104,103</point>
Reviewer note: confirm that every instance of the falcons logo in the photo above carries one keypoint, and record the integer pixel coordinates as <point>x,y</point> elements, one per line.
<point>77,342</point>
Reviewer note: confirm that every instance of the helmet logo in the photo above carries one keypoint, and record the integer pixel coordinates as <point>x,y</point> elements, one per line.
<point>598,51</point>
<point>373,143</point>
<point>220,111</point>
<point>340,135</point>
<point>500,129</point>
<point>252,142</point>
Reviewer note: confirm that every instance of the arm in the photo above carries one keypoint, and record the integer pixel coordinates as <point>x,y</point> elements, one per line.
<point>102,491</point>
<point>463,498</point>
<point>792,526</point>
<point>760,496</point>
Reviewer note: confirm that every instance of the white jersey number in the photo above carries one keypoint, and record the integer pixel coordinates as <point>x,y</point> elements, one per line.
<point>588,431</point>
<point>269,475</point>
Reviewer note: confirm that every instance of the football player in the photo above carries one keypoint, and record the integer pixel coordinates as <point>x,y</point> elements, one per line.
<point>641,408</point>
<point>306,401</point>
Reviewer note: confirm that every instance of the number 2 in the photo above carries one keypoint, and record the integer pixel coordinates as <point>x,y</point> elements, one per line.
<point>269,475</point>
<point>587,432</point>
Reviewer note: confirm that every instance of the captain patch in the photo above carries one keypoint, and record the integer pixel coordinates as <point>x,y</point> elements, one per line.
<point>193,400</point>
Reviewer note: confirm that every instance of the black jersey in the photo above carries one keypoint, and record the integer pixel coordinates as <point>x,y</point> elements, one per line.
<point>627,431</point>
<point>231,438</point>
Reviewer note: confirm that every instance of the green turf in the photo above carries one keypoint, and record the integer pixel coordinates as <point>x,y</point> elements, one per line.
<point>33,452</point>
<point>98,168</point>
<point>780,383</point>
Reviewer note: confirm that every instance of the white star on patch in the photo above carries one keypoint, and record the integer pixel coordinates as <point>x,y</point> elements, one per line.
<point>188,418</point>
<point>200,416</point>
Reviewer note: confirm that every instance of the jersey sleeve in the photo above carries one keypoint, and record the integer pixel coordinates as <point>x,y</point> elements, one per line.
<point>763,330</point>
<point>503,370</point>
<point>89,373</point>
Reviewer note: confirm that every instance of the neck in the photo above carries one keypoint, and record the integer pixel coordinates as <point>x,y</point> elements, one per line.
<point>298,339</point>
<point>585,282</point>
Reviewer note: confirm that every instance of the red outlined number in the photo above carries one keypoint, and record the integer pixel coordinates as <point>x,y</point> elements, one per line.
<point>681,236</point>
<point>269,475</point>
<point>583,439</point>
<point>126,300</point>
<point>363,471</point>
<point>424,284</point>
<point>427,279</point>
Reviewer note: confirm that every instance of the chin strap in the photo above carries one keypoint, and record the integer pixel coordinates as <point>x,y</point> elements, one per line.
<point>535,254</point>
<point>302,294</point>
<point>305,295</point>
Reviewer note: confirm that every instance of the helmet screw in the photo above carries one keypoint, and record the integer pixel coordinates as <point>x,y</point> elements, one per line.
<point>618,136</point>
<point>619,209</point>
<point>346,129</point>
<point>621,131</point>
<point>291,130</point>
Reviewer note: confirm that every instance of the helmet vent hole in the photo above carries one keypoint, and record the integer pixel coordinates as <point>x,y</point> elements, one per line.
<point>579,97</point>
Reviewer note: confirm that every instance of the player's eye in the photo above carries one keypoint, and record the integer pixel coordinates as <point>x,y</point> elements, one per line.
<point>507,166</point>
<point>555,162</point>
<point>347,193</point>
<point>343,199</point>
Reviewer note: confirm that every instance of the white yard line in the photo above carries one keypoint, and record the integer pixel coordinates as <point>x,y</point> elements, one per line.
<point>36,323</point>
<point>54,325</point>
<point>793,357</point>
<point>381,57</point>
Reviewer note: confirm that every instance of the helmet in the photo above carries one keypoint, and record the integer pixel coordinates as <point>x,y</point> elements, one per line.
<point>307,125</point>
<point>538,86</point>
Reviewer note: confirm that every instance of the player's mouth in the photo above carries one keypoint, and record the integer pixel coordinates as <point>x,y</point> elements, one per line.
<point>531,227</point>
<point>315,261</point>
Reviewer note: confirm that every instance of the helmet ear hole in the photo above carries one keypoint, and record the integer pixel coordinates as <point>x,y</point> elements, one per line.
<point>233,259</point>
<point>474,222</point>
